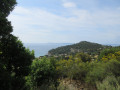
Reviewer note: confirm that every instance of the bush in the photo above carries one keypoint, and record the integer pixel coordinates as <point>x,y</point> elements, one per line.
<point>43,72</point>
<point>97,73</point>
<point>109,83</point>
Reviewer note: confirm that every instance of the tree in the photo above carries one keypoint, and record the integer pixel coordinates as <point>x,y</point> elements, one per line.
<point>15,59</point>
<point>6,6</point>
<point>43,73</point>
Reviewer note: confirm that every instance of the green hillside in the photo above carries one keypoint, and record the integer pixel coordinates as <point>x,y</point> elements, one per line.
<point>84,46</point>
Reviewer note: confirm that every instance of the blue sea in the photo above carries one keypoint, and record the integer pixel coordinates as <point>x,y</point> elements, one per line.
<point>42,49</point>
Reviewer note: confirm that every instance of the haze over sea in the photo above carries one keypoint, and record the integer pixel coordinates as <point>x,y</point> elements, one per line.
<point>42,49</point>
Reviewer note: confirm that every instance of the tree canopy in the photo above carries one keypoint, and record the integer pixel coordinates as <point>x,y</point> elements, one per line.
<point>6,6</point>
<point>15,59</point>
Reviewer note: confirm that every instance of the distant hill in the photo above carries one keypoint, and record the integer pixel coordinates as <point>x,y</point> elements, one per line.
<point>84,46</point>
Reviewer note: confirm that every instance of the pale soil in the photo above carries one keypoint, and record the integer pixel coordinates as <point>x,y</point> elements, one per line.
<point>67,84</point>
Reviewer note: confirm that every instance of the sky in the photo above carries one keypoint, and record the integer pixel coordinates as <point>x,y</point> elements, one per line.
<point>67,21</point>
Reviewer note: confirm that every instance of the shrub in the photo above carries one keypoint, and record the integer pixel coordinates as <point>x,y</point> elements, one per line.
<point>109,83</point>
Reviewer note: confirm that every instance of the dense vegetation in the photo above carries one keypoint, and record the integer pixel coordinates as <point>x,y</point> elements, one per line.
<point>102,74</point>
<point>84,46</point>
<point>15,59</point>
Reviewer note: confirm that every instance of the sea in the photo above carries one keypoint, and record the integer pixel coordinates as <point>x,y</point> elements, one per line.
<point>42,49</point>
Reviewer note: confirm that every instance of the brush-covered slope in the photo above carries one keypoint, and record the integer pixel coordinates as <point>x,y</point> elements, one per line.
<point>84,46</point>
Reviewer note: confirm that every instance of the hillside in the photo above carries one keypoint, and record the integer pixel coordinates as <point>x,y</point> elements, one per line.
<point>83,46</point>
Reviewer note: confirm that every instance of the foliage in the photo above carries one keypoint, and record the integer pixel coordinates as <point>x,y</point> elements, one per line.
<point>97,73</point>
<point>6,6</point>
<point>84,57</point>
<point>15,59</point>
<point>75,67</point>
<point>109,83</point>
<point>105,52</point>
<point>88,71</point>
<point>78,67</point>
<point>84,46</point>
<point>43,72</point>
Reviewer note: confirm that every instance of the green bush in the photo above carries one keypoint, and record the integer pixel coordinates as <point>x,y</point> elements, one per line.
<point>43,72</point>
<point>109,83</point>
<point>97,73</point>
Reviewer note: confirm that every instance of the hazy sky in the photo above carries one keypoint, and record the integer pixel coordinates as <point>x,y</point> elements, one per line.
<point>67,21</point>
